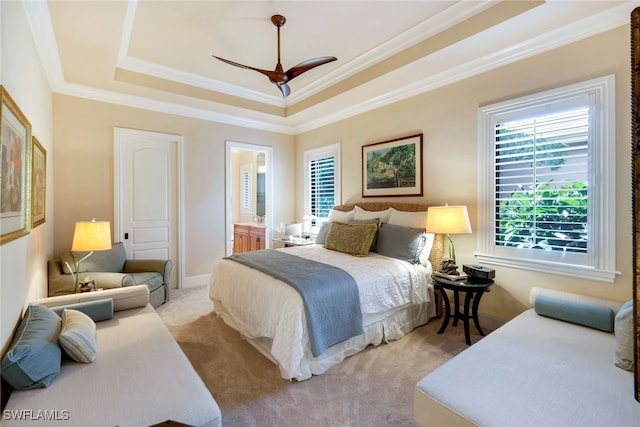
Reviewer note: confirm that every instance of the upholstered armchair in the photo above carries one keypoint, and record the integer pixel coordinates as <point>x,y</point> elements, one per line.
<point>111,269</point>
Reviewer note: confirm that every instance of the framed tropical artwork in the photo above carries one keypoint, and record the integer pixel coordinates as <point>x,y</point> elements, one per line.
<point>393,168</point>
<point>15,134</point>
<point>38,183</point>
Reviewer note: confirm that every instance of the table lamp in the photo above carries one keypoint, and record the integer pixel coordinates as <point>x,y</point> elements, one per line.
<point>448,220</point>
<point>89,236</point>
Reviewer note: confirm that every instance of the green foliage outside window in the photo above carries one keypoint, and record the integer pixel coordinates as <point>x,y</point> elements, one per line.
<point>548,216</point>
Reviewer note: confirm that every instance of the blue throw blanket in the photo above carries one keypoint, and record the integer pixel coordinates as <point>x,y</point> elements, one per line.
<point>329,294</point>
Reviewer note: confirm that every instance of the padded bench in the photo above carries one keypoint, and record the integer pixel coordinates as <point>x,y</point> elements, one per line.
<point>538,370</point>
<point>139,377</point>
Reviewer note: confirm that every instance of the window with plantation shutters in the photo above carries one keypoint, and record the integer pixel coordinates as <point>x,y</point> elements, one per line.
<point>541,181</point>
<point>322,183</point>
<point>322,186</point>
<point>547,198</point>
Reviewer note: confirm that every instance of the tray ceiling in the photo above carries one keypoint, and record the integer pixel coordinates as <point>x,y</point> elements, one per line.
<point>158,54</point>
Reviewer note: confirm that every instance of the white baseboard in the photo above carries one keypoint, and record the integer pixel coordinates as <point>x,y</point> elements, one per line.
<point>196,281</point>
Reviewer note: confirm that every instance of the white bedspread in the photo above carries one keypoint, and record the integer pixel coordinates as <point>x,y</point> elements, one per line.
<point>259,306</point>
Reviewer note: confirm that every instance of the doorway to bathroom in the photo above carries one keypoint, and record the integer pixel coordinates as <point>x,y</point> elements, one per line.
<point>249,197</point>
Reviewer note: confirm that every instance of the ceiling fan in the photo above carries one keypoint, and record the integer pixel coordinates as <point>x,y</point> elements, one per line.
<point>278,76</point>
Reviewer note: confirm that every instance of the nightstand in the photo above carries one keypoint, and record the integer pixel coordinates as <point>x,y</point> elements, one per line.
<point>294,241</point>
<point>473,291</point>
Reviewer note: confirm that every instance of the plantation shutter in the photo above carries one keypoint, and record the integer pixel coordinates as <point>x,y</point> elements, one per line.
<point>322,186</point>
<point>541,181</point>
<point>245,183</point>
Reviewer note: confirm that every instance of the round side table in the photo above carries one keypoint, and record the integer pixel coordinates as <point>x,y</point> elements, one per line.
<point>473,291</point>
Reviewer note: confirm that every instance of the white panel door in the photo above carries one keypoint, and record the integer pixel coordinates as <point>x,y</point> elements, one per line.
<point>146,178</point>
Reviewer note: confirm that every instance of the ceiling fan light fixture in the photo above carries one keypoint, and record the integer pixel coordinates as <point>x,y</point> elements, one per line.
<point>278,76</point>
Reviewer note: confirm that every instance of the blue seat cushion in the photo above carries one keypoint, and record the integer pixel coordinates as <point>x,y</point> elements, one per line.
<point>97,310</point>
<point>34,357</point>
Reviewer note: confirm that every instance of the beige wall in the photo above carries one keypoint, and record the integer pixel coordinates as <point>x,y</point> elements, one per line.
<point>448,119</point>
<point>80,169</point>
<point>84,166</point>
<point>23,262</point>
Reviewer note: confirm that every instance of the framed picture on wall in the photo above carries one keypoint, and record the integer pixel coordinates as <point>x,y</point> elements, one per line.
<point>15,134</point>
<point>392,168</point>
<point>38,183</point>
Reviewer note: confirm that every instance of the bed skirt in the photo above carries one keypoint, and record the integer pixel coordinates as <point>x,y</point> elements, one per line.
<point>383,327</point>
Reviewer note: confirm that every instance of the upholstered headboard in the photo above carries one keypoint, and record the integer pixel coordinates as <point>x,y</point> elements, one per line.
<point>437,251</point>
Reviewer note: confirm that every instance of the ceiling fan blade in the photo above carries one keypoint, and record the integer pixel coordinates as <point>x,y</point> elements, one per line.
<point>271,74</point>
<point>278,76</point>
<point>305,66</point>
<point>284,88</point>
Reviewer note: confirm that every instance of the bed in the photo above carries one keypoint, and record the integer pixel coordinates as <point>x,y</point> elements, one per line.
<point>395,295</point>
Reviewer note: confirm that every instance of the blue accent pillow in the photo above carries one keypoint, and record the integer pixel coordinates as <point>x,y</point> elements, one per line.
<point>399,242</point>
<point>593,316</point>
<point>34,358</point>
<point>98,310</point>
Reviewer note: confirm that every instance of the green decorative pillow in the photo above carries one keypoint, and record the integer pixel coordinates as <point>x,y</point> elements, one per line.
<point>401,242</point>
<point>623,330</point>
<point>78,336</point>
<point>375,221</point>
<point>97,310</point>
<point>33,359</point>
<point>593,316</point>
<point>353,239</point>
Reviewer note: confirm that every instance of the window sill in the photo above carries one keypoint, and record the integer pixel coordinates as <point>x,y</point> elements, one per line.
<point>550,267</point>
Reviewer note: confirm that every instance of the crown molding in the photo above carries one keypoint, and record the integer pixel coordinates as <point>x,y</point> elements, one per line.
<point>39,21</point>
<point>447,18</point>
<point>571,33</point>
<point>41,28</point>
<point>171,74</point>
<point>236,118</point>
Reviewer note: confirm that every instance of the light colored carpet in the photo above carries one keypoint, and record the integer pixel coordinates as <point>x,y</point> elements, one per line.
<point>186,305</point>
<point>372,388</point>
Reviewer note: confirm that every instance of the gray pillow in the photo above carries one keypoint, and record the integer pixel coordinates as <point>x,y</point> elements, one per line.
<point>111,260</point>
<point>623,330</point>
<point>33,359</point>
<point>400,242</point>
<point>322,234</point>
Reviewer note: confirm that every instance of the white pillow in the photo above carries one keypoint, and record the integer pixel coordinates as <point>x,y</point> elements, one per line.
<point>408,219</point>
<point>339,216</point>
<point>623,329</point>
<point>426,251</point>
<point>363,215</point>
<point>78,336</point>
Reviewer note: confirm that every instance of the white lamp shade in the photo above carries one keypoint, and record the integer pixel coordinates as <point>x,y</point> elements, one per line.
<point>91,236</point>
<point>448,220</point>
<point>293,229</point>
